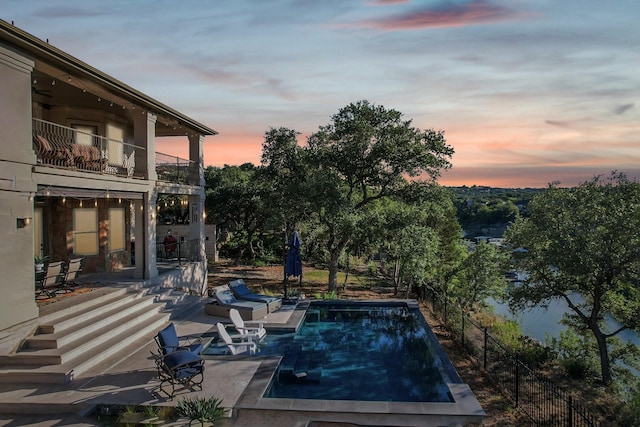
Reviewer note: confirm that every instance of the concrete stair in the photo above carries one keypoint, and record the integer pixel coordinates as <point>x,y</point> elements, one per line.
<point>83,331</point>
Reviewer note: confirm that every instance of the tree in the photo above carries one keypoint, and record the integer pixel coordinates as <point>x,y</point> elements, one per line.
<point>582,245</point>
<point>365,154</point>
<point>235,201</point>
<point>284,166</point>
<point>481,275</point>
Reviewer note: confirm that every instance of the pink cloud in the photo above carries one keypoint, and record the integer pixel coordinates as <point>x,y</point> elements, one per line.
<point>472,13</point>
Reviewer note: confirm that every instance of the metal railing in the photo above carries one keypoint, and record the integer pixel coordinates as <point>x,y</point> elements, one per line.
<point>539,399</point>
<point>64,147</point>
<point>181,251</point>
<point>176,170</point>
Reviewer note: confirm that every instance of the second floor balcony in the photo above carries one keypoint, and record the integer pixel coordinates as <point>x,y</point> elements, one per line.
<point>69,148</point>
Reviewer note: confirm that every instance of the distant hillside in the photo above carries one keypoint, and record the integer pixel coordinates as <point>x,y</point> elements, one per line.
<point>487,211</point>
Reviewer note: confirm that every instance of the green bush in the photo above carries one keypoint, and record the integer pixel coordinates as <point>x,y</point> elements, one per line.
<point>200,409</point>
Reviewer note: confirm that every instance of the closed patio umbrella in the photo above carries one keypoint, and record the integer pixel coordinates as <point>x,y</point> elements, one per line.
<point>293,263</point>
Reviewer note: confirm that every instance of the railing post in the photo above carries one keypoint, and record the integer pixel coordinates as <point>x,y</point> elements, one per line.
<point>445,311</point>
<point>486,339</point>
<point>517,382</point>
<point>570,411</point>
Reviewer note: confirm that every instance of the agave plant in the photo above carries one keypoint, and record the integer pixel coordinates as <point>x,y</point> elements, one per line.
<point>200,409</point>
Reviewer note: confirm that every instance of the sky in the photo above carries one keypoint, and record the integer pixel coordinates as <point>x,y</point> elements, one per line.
<point>528,92</point>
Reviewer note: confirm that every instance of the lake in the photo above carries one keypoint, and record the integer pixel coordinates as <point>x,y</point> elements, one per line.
<point>539,322</point>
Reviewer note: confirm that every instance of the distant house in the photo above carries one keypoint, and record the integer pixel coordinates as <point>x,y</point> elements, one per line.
<point>80,174</point>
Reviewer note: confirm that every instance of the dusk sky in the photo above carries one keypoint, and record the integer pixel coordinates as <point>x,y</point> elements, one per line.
<point>527,92</point>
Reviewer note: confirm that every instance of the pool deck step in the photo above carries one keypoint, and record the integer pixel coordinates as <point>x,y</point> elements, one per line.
<point>73,338</point>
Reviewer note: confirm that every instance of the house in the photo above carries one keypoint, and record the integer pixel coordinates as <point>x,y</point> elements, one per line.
<point>80,174</point>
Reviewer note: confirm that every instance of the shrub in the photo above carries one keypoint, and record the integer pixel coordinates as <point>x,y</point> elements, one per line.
<point>200,409</point>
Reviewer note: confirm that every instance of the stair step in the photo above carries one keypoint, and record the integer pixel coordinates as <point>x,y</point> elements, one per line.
<point>66,372</point>
<point>119,308</point>
<point>68,307</point>
<point>53,356</point>
<point>144,331</point>
<point>87,309</point>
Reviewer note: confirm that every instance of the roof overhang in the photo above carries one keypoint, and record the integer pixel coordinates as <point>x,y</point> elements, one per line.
<point>49,58</point>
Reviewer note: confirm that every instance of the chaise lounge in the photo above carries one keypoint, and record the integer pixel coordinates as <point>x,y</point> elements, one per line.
<point>225,301</point>
<point>242,292</point>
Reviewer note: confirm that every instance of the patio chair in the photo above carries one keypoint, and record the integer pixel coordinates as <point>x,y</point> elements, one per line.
<point>255,331</point>
<point>225,301</point>
<point>242,292</point>
<point>169,342</point>
<point>181,367</point>
<point>235,347</point>
<point>70,273</point>
<point>51,281</point>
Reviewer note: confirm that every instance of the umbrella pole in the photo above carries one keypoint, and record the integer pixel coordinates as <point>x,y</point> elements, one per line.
<point>285,286</point>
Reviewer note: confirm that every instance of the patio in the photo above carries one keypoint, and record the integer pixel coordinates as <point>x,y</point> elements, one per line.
<point>131,379</point>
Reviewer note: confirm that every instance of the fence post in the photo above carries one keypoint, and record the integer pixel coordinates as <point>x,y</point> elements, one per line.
<point>486,334</point>
<point>517,382</point>
<point>570,411</point>
<point>445,311</point>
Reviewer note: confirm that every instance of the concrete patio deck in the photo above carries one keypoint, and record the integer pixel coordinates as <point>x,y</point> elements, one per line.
<point>131,379</point>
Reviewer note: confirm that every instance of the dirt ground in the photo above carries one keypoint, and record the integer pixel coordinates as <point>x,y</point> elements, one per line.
<point>270,280</point>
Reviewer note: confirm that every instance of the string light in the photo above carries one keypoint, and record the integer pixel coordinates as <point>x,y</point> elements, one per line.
<point>53,82</point>
<point>35,80</point>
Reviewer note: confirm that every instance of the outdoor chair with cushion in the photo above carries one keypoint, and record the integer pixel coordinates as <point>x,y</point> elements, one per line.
<point>51,281</point>
<point>169,342</point>
<point>242,292</point>
<point>70,273</point>
<point>235,347</point>
<point>225,301</point>
<point>181,367</point>
<point>248,332</point>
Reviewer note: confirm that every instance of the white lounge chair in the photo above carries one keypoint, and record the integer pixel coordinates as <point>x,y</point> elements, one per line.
<point>248,330</point>
<point>235,347</point>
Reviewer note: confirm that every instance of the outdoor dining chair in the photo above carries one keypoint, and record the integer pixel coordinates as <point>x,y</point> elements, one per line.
<point>181,367</point>
<point>168,341</point>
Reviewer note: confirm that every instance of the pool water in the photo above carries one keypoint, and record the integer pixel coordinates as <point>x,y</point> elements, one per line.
<point>359,351</point>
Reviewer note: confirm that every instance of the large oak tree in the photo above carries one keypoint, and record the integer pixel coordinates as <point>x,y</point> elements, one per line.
<point>582,245</point>
<point>366,153</point>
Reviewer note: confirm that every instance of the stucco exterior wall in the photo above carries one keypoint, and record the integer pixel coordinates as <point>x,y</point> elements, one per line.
<point>17,285</point>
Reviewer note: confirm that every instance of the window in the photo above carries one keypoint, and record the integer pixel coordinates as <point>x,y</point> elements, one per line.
<point>116,229</point>
<point>84,134</point>
<point>114,149</point>
<point>85,231</point>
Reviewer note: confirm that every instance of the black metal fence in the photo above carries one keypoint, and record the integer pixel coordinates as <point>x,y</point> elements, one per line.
<point>540,399</point>
<point>181,251</point>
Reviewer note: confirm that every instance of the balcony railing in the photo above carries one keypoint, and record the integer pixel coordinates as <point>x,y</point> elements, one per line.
<point>64,147</point>
<point>176,170</point>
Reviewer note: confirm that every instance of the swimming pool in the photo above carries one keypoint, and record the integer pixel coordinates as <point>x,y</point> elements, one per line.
<point>364,351</point>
